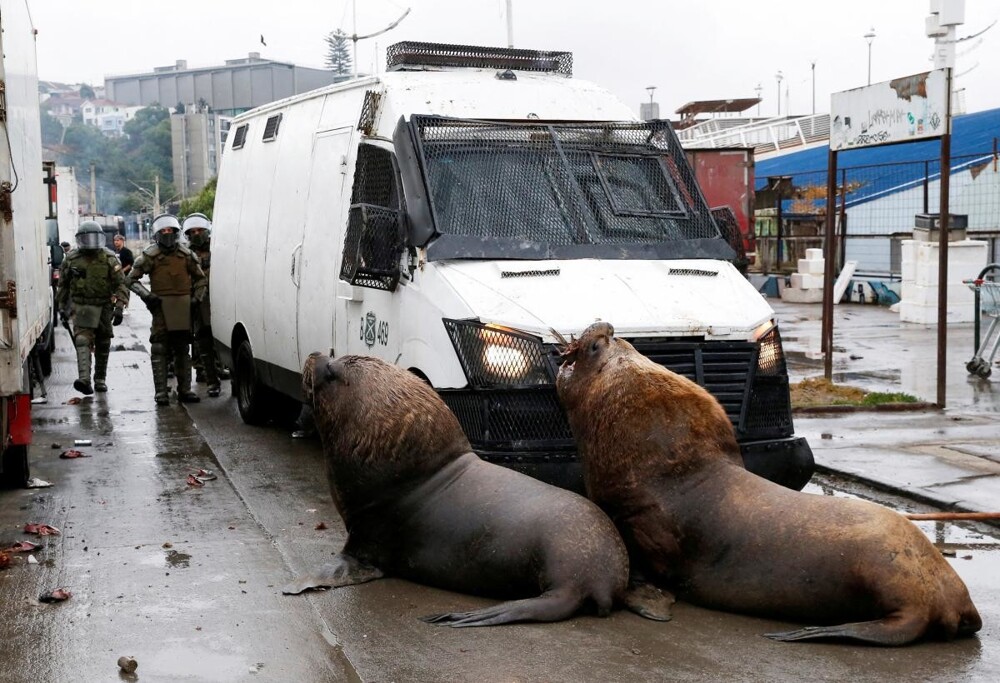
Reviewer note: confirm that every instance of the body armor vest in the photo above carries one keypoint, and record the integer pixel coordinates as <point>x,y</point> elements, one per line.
<point>91,283</point>
<point>205,256</point>
<point>169,275</point>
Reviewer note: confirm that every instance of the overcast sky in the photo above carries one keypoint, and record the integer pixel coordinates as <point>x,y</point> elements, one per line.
<point>692,50</point>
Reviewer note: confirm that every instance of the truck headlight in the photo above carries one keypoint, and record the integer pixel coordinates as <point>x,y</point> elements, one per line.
<point>496,356</point>
<point>771,358</point>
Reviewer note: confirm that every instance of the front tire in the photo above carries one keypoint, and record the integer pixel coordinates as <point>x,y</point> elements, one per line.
<point>15,470</point>
<point>250,393</point>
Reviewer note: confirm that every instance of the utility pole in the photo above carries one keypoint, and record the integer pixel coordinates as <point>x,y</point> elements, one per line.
<point>870,36</point>
<point>156,195</point>
<point>778,76</point>
<point>510,27</point>
<point>93,190</point>
<point>813,66</point>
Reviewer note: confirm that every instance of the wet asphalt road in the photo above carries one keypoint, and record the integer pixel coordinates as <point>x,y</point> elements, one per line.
<point>187,580</point>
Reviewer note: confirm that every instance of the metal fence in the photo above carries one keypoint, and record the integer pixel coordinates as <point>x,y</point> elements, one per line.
<point>876,206</point>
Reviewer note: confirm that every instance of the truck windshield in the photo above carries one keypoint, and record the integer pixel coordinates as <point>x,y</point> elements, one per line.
<point>561,190</point>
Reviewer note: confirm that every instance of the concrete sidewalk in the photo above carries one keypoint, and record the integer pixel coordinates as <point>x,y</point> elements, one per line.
<point>948,458</point>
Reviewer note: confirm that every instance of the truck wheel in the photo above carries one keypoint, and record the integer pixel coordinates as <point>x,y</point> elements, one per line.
<point>14,473</point>
<point>250,393</point>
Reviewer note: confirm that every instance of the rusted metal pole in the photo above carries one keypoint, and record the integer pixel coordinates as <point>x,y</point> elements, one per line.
<point>942,332</point>
<point>828,264</point>
<point>779,252</point>
<point>952,516</point>
<point>842,247</point>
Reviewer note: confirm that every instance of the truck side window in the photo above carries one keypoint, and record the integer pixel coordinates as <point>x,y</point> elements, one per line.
<point>375,178</point>
<point>373,243</point>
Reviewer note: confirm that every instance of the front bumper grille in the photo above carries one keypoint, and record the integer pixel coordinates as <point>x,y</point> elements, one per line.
<point>522,421</point>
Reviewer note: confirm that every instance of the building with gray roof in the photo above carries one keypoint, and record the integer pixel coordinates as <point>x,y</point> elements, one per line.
<point>229,89</point>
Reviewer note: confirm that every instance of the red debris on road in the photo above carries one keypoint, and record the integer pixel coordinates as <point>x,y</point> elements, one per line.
<point>72,453</point>
<point>58,595</point>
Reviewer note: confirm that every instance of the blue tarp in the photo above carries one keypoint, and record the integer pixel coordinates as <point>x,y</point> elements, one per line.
<point>972,134</point>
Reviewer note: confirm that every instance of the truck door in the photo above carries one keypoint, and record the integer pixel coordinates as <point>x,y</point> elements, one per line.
<point>317,263</point>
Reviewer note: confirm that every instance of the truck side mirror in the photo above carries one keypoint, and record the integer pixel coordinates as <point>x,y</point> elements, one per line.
<point>373,247</point>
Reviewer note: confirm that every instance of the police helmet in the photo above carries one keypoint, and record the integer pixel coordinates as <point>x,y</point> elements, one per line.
<point>165,231</point>
<point>90,236</point>
<point>198,229</point>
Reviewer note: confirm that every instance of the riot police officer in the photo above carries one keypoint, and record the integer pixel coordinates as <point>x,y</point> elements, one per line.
<point>175,282</point>
<point>198,230</point>
<point>90,278</point>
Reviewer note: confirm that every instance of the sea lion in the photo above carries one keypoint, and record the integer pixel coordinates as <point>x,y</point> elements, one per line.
<point>420,505</point>
<point>660,457</point>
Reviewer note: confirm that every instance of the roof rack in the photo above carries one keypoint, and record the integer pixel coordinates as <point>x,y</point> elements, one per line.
<point>409,54</point>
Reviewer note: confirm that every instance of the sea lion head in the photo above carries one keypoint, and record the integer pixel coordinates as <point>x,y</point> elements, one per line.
<point>627,411</point>
<point>382,427</point>
<point>586,357</point>
<point>309,372</point>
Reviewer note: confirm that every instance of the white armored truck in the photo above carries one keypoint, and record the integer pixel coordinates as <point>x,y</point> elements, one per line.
<point>448,215</point>
<point>25,293</point>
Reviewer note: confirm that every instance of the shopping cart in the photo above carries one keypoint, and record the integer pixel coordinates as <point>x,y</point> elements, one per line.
<point>987,304</point>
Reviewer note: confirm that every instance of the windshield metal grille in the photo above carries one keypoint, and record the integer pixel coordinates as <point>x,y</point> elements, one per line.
<point>729,228</point>
<point>561,184</point>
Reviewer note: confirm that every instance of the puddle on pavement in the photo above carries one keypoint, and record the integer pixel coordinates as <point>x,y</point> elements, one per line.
<point>177,559</point>
<point>171,559</point>
<point>192,663</point>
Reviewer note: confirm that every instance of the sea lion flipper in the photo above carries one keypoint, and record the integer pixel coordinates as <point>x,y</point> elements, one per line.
<point>649,601</point>
<point>343,571</point>
<point>892,630</point>
<point>550,606</point>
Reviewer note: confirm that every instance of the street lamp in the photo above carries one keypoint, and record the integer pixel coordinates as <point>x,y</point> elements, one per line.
<point>813,65</point>
<point>870,36</point>
<point>778,76</point>
<point>759,89</point>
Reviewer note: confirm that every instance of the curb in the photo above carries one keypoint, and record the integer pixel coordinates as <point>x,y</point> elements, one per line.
<point>880,408</point>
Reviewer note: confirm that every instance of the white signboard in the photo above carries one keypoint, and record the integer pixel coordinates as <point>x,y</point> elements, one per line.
<point>901,110</point>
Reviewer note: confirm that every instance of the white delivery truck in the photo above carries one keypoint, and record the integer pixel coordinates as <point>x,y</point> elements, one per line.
<point>448,215</point>
<point>25,293</point>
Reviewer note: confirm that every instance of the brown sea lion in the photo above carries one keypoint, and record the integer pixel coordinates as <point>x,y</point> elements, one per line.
<point>660,457</point>
<point>420,505</point>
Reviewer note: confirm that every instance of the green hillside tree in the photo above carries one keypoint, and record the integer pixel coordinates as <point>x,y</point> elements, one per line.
<point>203,202</point>
<point>338,54</point>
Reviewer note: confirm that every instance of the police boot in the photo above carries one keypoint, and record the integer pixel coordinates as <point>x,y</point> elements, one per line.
<point>197,361</point>
<point>101,351</point>
<point>208,369</point>
<point>82,365</point>
<point>158,359</point>
<point>182,366</point>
